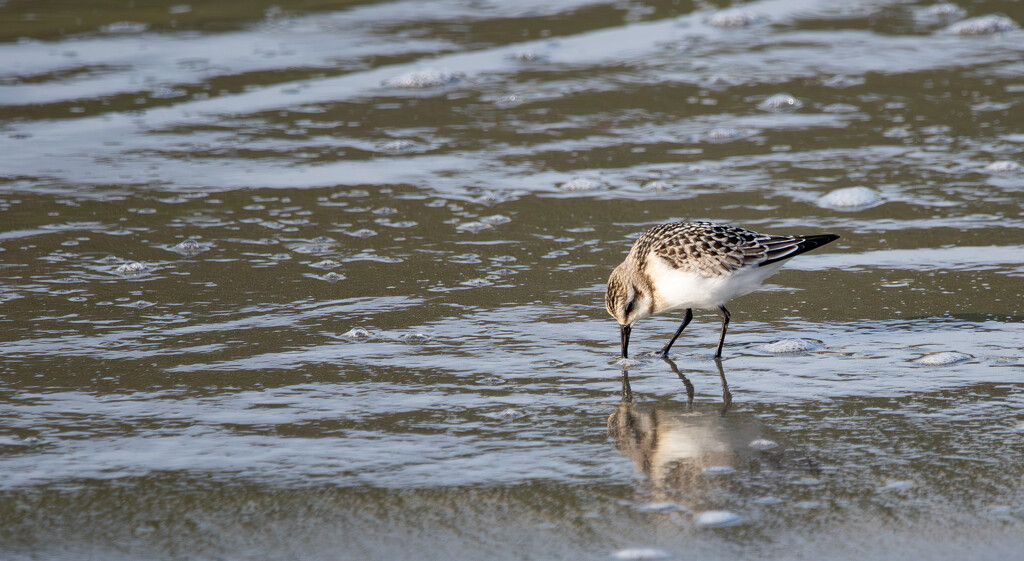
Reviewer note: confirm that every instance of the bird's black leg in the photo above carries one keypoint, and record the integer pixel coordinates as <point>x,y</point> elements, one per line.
<point>725,324</point>
<point>686,321</point>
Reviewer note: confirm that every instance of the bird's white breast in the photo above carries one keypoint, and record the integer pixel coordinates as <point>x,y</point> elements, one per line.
<point>677,289</point>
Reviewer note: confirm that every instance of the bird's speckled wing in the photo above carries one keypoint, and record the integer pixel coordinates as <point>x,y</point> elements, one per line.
<point>714,249</point>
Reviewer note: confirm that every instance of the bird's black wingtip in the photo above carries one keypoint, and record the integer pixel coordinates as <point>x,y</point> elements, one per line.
<point>828,238</point>
<point>812,242</point>
<point>788,247</point>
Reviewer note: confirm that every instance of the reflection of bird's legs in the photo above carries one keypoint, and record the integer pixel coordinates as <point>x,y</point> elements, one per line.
<point>627,392</point>
<point>686,381</point>
<point>726,394</point>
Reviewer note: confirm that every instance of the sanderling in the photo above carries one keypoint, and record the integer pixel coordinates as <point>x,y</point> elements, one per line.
<point>696,265</point>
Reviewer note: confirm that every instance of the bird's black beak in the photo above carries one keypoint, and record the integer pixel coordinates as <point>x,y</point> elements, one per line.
<point>624,331</point>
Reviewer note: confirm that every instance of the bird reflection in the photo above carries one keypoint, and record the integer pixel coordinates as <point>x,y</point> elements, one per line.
<point>627,391</point>
<point>674,444</point>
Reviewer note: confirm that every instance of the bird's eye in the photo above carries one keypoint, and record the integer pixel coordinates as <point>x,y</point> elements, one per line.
<point>629,306</point>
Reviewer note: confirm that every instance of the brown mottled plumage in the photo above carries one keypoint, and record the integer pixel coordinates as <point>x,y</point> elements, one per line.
<point>696,265</point>
<point>713,249</point>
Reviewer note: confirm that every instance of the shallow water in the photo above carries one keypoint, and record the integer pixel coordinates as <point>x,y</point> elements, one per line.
<point>311,280</point>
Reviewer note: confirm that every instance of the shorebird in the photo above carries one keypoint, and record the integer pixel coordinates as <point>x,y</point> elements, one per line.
<point>699,265</point>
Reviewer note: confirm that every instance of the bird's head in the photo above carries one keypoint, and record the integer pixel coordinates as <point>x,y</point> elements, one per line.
<point>628,300</point>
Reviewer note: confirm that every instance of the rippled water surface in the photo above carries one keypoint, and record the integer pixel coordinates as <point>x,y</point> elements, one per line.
<point>324,280</point>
